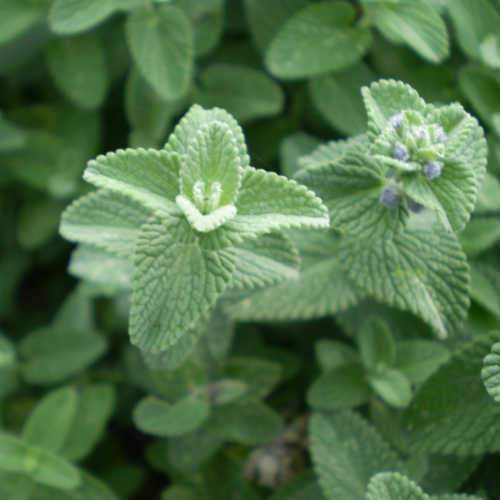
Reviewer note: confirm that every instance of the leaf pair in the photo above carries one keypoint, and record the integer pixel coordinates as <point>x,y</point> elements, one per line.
<point>187,217</point>
<point>63,427</point>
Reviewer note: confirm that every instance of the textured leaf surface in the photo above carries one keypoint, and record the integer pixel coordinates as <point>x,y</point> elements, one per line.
<point>105,219</point>
<point>176,282</point>
<point>107,270</point>
<point>445,418</point>
<point>161,42</point>
<point>346,453</point>
<point>268,201</point>
<point>212,157</point>
<point>351,188</point>
<point>246,93</point>
<point>317,39</point>
<point>424,272</point>
<point>491,372</point>
<point>41,465</point>
<point>265,261</point>
<point>150,177</point>
<point>74,16</point>
<point>393,486</point>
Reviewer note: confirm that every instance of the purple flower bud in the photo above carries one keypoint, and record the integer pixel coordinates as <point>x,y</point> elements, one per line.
<point>401,152</point>
<point>414,206</point>
<point>396,120</point>
<point>421,133</point>
<point>433,169</point>
<point>441,135</point>
<point>390,197</point>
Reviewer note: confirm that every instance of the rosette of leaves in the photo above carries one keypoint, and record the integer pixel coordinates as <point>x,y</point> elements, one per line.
<point>62,429</point>
<point>192,220</point>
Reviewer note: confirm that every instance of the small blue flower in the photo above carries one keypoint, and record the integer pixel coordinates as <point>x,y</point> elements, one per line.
<point>433,169</point>
<point>396,120</point>
<point>401,152</point>
<point>421,133</point>
<point>390,197</point>
<point>441,135</point>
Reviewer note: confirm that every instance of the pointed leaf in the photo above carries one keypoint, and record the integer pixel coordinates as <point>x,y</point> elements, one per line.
<point>108,220</point>
<point>491,372</point>
<point>49,424</point>
<point>74,16</point>
<point>392,386</point>
<point>161,43</point>
<point>346,453</point>
<point>317,39</point>
<point>149,177</point>
<point>393,486</point>
<point>176,282</point>
<point>376,344</point>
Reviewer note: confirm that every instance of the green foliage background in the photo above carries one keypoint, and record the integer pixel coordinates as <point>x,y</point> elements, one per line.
<point>304,390</point>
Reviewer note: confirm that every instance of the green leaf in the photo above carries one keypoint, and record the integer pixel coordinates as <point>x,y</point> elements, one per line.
<point>246,93</point>
<point>415,23</point>
<point>484,286</point>
<point>41,465</point>
<point>49,424</point>
<point>376,344</point>
<point>392,386</point>
<point>226,391</point>
<point>18,16</point>
<point>78,68</point>
<point>53,354</point>
<point>106,219</point>
<point>265,261</point>
<point>74,16</point>
<point>491,372</point>
<point>293,148</point>
<point>479,235</point>
<point>266,18</point>
<point>149,177</point>
<point>246,422</point>
<point>148,114</point>
<point>191,122</point>
<point>418,359</point>
<point>332,354</point>
<point>480,86</point>
<point>384,98</point>
<point>346,453</point>
<point>260,376</point>
<point>268,201</point>
<point>11,137</point>
<point>337,97</point>
<point>420,271</point>
<point>161,43</point>
<point>159,418</point>
<point>317,39</point>
<point>210,173</point>
<point>207,19</point>
<point>473,21</point>
<point>340,389</point>
<point>301,487</point>
<point>452,413</point>
<point>8,366</point>
<point>351,188</point>
<point>322,288</point>
<point>176,282</point>
<point>101,268</point>
<point>393,486</point>
<point>95,406</point>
